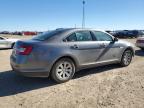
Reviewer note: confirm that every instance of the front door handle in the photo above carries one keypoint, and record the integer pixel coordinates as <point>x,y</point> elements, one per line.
<point>103,45</point>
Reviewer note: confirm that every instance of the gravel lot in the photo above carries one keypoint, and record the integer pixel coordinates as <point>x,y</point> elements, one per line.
<point>102,87</point>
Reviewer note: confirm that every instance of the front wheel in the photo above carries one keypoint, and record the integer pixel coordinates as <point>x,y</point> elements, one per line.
<point>126,58</point>
<point>63,70</point>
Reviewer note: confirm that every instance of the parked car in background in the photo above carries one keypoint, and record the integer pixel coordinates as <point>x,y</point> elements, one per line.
<point>141,33</point>
<point>127,33</point>
<point>7,43</point>
<point>5,32</point>
<point>133,33</point>
<point>17,33</point>
<point>119,34</point>
<point>62,52</point>
<point>140,42</point>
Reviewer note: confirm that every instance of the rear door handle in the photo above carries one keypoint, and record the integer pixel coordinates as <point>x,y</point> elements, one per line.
<point>74,47</point>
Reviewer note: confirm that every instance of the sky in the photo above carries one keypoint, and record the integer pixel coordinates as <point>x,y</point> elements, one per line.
<point>43,15</point>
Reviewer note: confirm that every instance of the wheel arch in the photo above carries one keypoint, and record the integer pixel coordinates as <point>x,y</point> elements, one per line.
<point>69,57</point>
<point>130,48</point>
<point>121,60</point>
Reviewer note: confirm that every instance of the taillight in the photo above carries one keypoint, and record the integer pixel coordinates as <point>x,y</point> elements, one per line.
<point>24,50</point>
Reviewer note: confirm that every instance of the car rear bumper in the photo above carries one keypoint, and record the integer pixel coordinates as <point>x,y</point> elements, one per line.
<point>30,74</point>
<point>28,70</point>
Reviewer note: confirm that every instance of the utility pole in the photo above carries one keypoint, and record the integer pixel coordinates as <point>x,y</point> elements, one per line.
<point>75,26</point>
<point>83,18</point>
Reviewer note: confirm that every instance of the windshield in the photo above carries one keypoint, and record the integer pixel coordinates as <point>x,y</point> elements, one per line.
<point>47,35</point>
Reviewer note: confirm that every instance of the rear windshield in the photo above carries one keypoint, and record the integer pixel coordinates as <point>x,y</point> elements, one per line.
<point>47,35</point>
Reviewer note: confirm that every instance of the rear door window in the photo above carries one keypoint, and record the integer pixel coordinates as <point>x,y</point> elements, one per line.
<point>72,38</point>
<point>80,36</point>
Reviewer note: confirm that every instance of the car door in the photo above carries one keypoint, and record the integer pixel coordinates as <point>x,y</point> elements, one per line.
<point>110,49</point>
<point>83,46</point>
<point>3,43</point>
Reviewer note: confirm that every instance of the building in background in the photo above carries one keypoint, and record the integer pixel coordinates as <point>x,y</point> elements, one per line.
<point>29,33</point>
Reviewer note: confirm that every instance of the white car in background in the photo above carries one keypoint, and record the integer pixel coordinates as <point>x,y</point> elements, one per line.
<point>140,42</point>
<point>7,43</point>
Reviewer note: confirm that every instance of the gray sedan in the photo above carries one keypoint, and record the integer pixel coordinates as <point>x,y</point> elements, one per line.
<point>62,52</point>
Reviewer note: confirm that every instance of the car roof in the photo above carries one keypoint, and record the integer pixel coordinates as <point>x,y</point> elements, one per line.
<point>78,29</point>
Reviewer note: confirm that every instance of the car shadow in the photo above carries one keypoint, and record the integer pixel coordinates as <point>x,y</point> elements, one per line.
<point>11,83</point>
<point>95,70</point>
<point>139,53</point>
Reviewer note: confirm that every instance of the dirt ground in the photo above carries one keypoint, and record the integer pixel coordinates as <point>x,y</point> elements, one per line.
<point>102,87</point>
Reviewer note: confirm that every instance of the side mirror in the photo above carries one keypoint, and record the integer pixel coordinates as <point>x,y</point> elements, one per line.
<point>115,39</point>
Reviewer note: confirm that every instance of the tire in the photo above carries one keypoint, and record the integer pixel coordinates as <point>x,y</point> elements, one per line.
<point>126,58</point>
<point>63,70</point>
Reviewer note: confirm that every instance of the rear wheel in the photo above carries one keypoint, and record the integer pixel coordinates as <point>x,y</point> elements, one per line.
<point>63,70</point>
<point>127,57</point>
